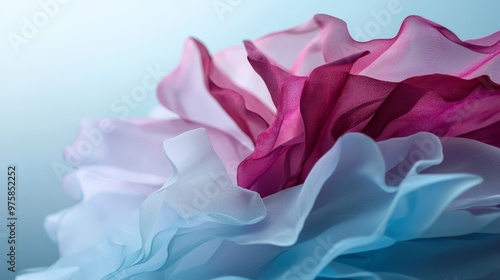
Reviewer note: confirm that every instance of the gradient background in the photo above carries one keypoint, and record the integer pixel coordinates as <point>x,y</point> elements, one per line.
<point>91,52</point>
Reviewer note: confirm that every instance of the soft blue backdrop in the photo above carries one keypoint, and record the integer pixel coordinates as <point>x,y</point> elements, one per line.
<point>87,54</point>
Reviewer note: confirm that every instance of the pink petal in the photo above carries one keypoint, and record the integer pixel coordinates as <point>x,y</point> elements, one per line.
<point>198,91</point>
<point>421,47</point>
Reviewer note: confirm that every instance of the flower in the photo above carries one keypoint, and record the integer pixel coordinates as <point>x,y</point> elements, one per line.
<point>336,174</point>
<point>323,84</point>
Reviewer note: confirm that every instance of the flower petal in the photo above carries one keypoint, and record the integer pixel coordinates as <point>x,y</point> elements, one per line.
<point>325,39</point>
<point>136,146</point>
<point>198,91</point>
<point>344,208</point>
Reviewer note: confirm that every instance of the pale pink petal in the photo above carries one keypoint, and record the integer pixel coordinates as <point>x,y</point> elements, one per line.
<point>137,145</point>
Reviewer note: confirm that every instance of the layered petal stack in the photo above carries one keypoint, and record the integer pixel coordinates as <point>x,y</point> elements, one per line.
<point>300,155</point>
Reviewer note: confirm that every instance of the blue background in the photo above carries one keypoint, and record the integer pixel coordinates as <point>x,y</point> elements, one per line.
<point>90,53</point>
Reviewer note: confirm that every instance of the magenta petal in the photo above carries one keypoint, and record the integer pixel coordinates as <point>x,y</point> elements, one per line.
<point>200,92</point>
<point>423,47</point>
<point>319,104</point>
<point>450,107</point>
<point>486,41</point>
<point>334,102</point>
<point>276,146</point>
<point>323,84</point>
<point>434,49</point>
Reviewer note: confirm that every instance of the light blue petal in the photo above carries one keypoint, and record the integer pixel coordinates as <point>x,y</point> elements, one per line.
<point>362,207</point>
